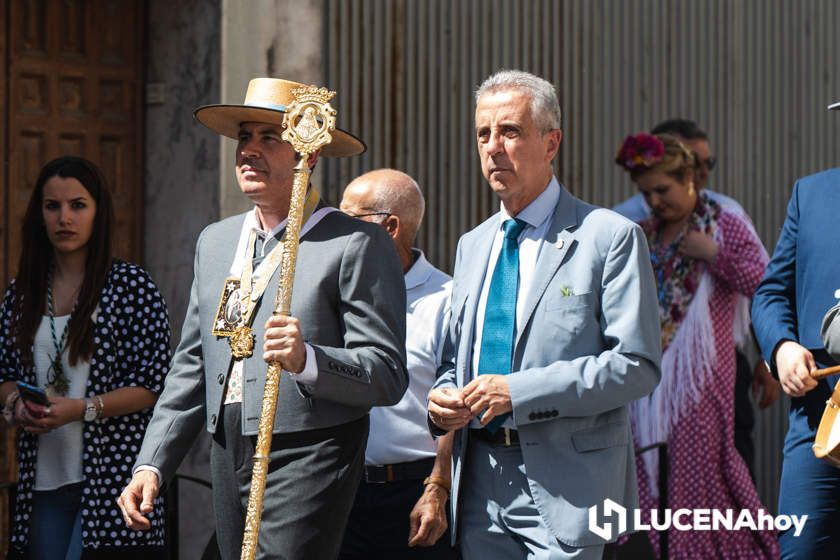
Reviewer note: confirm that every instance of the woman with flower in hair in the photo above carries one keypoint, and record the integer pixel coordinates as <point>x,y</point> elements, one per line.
<point>704,257</point>
<point>93,333</point>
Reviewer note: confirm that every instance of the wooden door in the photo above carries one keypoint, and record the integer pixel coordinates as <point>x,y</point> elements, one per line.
<point>73,70</point>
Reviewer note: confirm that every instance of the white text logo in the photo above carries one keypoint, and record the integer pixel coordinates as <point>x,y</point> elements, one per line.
<point>689,520</point>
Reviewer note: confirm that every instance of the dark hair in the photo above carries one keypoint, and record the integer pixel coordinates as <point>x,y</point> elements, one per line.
<point>683,128</point>
<point>37,258</point>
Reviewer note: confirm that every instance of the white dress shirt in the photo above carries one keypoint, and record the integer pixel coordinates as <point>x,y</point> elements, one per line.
<point>309,374</point>
<point>537,216</point>
<point>399,433</point>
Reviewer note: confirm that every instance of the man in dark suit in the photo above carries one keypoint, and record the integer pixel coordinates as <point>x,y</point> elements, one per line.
<point>799,286</point>
<point>342,349</point>
<point>553,333</point>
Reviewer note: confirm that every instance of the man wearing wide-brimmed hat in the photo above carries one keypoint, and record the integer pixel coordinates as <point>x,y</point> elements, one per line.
<point>800,284</point>
<point>342,346</point>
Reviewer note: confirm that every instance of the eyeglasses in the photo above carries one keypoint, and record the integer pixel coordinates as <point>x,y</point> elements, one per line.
<point>368,214</point>
<point>707,163</point>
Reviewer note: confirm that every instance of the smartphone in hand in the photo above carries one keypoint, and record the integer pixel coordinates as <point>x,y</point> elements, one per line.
<point>32,394</point>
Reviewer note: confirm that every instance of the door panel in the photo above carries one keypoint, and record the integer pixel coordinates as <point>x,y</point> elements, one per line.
<point>73,70</point>
<point>75,88</point>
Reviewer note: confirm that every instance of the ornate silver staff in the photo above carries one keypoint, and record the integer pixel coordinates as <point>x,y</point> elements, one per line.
<point>307,125</point>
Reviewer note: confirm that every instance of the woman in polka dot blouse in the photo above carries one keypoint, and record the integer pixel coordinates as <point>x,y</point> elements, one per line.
<point>705,258</point>
<point>93,333</point>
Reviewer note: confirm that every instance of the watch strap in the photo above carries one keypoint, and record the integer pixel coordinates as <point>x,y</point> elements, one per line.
<point>91,411</point>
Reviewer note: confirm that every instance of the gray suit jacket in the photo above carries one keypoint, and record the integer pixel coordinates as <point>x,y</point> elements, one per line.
<point>349,295</point>
<point>589,347</point>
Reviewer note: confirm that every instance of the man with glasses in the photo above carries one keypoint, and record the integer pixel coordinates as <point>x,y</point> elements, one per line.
<point>751,370</point>
<point>400,507</point>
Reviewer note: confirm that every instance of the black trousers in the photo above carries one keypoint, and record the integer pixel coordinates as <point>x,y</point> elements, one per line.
<point>379,525</point>
<point>744,416</point>
<point>312,479</point>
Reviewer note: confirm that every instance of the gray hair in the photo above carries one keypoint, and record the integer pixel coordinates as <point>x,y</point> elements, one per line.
<point>545,108</point>
<point>397,193</point>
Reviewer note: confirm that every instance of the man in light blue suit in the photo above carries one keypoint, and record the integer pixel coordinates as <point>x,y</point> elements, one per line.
<point>554,331</point>
<point>801,283</point>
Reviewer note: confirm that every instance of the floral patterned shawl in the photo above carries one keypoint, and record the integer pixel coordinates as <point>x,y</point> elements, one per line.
<point>677,276</point>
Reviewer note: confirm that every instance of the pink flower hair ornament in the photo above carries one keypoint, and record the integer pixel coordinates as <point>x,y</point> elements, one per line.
<point>641,151</point>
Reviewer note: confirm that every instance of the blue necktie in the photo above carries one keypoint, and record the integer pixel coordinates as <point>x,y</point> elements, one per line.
<point>496,353</point>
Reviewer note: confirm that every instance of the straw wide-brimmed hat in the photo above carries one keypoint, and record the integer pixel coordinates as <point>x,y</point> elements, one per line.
<point>265,102</point>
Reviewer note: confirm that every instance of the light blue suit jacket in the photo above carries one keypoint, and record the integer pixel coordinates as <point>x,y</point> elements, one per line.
<point>579,360</point>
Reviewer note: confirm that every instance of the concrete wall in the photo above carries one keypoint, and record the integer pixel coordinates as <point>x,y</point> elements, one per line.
<point>182,157</point>
<point>263,38</point>
<point>182,189</point>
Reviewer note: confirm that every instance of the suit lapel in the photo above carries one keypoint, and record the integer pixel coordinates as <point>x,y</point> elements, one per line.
<point>476,265</point>
<point>558,241</point>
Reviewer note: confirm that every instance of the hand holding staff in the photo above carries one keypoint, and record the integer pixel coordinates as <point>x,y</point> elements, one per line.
<point>307,125</point>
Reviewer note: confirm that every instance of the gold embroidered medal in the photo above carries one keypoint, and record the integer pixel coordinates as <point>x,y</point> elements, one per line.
<point>240,295</point>
<point>231,321</point>
<point>229,313</point>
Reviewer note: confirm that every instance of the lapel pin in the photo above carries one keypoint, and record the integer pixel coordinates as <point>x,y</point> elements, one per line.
<point>559,244</point>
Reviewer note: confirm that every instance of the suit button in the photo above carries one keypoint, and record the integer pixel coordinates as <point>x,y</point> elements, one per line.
<point>221,378</point>
<point>213,419</point>
<point>532,416</point>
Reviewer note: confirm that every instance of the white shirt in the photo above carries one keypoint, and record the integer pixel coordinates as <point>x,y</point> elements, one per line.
<point>309,374</point>
<point>538,217</point>
<point>60,450</point>
<point>399,433</point>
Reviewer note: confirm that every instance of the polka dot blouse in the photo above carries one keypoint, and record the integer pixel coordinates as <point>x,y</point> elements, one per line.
<point>132,349</point>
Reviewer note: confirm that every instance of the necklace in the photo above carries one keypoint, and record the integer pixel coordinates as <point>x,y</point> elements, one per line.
<point>56,378</point>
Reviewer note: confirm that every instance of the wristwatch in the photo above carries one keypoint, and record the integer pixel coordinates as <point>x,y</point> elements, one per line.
<point>91,412</point>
